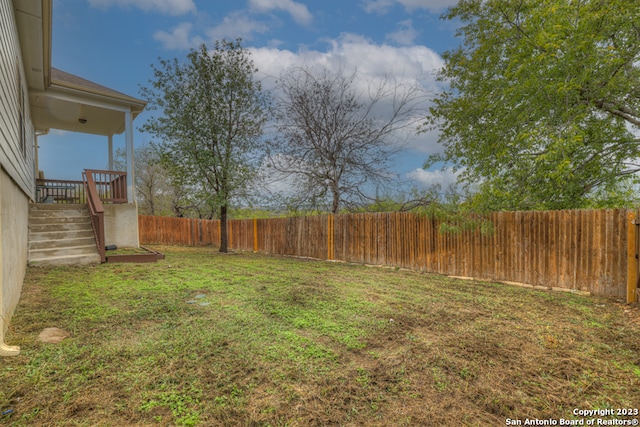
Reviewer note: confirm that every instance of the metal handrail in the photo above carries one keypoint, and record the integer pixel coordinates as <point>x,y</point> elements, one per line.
<point>97,213</point>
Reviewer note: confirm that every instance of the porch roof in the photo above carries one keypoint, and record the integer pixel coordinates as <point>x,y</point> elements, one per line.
<point>76,104</point>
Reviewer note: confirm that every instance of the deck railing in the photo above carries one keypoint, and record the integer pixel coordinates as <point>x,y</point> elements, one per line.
<point>60,191</point>
<point>111,186</point>
<point>97,213</point>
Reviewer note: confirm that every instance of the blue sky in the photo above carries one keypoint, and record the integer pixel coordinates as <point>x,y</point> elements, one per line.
<point>114,43</point>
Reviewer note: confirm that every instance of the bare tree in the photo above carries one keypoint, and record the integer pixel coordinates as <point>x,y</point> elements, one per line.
<point>335,141</point>
<point>154,191</point>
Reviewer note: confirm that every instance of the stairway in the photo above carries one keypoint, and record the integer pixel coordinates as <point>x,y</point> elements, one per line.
<point>61,234</point>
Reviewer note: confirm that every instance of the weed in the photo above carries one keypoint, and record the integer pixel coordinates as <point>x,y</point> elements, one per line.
<point>183,407</point>
<point>440,381</point>
<point>363,377</point>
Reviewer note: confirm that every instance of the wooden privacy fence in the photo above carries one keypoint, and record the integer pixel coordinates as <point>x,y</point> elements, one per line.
<point>583,250</point>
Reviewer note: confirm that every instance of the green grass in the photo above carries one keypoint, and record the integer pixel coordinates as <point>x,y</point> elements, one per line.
<point>203,338</point>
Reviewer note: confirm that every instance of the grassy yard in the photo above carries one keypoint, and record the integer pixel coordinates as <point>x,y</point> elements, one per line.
<point>206,339</point>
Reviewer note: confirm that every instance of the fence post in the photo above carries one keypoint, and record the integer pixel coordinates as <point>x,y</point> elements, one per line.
<point>255,234</point>
<point>330,237</point>
<point>632,260</point>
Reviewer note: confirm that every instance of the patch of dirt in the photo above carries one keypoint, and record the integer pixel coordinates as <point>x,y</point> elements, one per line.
<point>52,335</point>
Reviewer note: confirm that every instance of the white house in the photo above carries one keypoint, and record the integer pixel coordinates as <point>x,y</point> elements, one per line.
<point>34,98</point>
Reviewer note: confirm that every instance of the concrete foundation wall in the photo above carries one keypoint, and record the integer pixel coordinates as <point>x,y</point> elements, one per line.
<point>14,232</point>
<point>121,225</point>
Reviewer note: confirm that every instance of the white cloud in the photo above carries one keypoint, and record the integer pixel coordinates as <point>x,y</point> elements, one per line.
<point>405,35</point>
<point>168,7</point>
<point>179,38</point>
<point>430,5</point>
<point>352,52</point>
<point>426,178</point>
<point>298,11</point>
<point>275,43</point>
<point>425,142</point>
<point>377,6</point>
<point>235,25</point>
<point>382,6</point>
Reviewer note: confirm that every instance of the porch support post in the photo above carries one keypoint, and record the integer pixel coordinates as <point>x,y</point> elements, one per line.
<point>36,149</point>
<point>128,131</point>
<point>110,152</point>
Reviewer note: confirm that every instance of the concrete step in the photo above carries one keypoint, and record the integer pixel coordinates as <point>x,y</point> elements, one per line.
<point>67,226</point>
<point>42,235</point>
<point>62,250</point>
<point>68,213</point>
<point>67,260</point>
<point>56,206</point>
<point>65,242</point>
<point>61,234</point>
<point>44,210</point>
<point>59,220</point>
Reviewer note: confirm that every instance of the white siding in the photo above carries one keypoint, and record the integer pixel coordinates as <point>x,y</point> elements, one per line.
<point>18,163</point>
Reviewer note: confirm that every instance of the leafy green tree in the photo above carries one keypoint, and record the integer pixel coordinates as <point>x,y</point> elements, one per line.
<point>543,105</point>
<point>210,126</point>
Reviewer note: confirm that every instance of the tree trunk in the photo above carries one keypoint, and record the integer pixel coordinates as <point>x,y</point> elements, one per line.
<point>223,229</point>
<point>336,202</point>
<point>152,206</point>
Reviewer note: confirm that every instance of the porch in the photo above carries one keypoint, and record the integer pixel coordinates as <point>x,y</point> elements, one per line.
<point>75,221</point>
<point>102,200</point>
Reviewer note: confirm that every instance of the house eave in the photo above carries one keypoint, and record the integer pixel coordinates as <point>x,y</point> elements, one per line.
<point>33,21</point>
<point>66,81</point>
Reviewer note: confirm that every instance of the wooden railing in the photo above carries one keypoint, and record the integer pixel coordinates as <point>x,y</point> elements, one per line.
<point>111,186</point>
<point>60,191</point>
<point>97,212</point>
